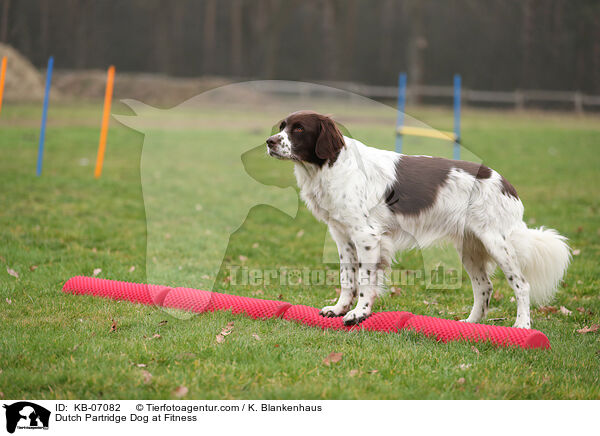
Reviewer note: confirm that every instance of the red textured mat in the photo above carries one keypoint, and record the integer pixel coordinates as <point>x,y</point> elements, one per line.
<point>198,301</point>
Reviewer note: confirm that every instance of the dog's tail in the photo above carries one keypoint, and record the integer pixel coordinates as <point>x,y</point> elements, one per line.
<point>544,256</point>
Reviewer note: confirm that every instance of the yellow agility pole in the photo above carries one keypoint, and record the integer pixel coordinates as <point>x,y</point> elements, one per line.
<point>105,119</point>
<point>2,76</point>
<point>429,133</point>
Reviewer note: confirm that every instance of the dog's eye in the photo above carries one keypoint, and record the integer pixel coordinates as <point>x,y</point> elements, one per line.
<point>298,129</point>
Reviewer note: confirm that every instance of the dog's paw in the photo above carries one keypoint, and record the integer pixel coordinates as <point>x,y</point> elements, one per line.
<point>356,316</point>
<point>332,311</point>
<point>522,324</point>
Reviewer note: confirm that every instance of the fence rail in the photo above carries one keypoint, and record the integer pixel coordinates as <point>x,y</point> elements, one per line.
<point>518,98</point>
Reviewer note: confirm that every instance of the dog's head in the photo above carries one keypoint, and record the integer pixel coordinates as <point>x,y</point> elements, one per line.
<point>307,137</point>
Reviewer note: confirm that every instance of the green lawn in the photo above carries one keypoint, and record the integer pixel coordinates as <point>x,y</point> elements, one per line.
<point>66,223</point>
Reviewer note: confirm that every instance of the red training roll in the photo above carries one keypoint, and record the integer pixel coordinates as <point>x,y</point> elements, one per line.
<point>198,301</point>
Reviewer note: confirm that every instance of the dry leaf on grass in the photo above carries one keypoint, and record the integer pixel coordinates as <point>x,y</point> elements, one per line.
<point>9,301</point>
<point>255,245</point>
<point>592,329</point>
<point>220,338</point>
<point>353,372</point>
<point>113,326</point>
<point>255,336</point>
<point>163,322</point>
<point>243,258</point>
<point>548,309</point>
<point>332,358</point>
<point>460,381</point>
<point>180,391</point>
<point>576,252</point>
<point>565,311</point>
<point>147,376</point>
<point>132,269</point>
<point>32,268</point>
<point>373,371</point>
<point>300,234</point>
<point>97,271</point>
<point>395,292</point>
<point>12,272</point>
<point>140,365</point>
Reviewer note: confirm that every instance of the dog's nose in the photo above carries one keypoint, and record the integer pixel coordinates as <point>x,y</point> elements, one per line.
<point>272,141</point>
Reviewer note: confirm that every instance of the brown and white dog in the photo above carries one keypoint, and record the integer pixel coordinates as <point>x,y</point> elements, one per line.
<point>377,202</point>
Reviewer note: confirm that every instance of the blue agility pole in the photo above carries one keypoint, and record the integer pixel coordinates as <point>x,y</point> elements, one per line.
<point>44,116</point>
<point>401,106</point>
<point>457,82</point>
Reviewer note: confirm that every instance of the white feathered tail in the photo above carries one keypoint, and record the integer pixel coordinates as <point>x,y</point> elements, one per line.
<point>544,256</point>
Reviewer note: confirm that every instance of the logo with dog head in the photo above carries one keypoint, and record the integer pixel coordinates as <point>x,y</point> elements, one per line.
<point>26,415</point>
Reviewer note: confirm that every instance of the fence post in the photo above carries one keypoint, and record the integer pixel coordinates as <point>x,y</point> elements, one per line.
<point>578,100</point>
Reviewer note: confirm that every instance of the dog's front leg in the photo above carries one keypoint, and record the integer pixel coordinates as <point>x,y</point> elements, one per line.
<point>348,272</point>
<point>370,277</point>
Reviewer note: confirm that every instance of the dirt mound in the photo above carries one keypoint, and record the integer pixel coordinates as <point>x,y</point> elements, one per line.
<point>23,81</point>
<point>153,89</point>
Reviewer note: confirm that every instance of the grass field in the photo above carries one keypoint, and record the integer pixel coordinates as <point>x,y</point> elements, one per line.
<point>65,223</point>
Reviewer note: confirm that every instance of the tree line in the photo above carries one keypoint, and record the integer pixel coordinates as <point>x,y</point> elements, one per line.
<point>494,44</point>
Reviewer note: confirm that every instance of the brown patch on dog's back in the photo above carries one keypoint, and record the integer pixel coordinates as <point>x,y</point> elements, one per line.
<point>418,179</point>
<point>508,189</point>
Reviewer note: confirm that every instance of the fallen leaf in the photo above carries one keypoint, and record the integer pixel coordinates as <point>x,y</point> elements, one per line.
<point>220,338</point>
<point>113,326</point>
<point>460,381</point>
<point>300,234</point>
<point>373,371</point>
<point>255,336</point>
<point>576,252</point>
<point>181,391</point>
<point>580,309</point>
<point>565,311</point>
<point>395,292</point>
<point>548,309</point>
<point>32,268</point>
<point>132,269</point>
<point>353,372</point>
<point>147,376</point>
<point>255,245</point>
<point>163,322</point>
<point>9,301</point>
<point>12,272</point>
<point>332,358</point>
<point>498,296</point>
<point>97,271</point>
<point>243,258</point>
<point>76,347</point>
<point>592,329</point>
<point>140,365</point>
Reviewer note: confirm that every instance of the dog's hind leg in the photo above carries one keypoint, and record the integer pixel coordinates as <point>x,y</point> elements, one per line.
<point>505,256</point>
<point>348,272</point>
<point>475,260</point>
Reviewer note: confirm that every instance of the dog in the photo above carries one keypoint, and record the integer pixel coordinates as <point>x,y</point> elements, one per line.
<point>377,202</point>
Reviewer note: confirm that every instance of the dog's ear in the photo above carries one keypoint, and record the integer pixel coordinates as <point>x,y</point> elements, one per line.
<point>330,140</point>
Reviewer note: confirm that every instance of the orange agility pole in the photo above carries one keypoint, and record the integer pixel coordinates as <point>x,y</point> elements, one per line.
<point>105,118</point>
<point>2,76</point>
